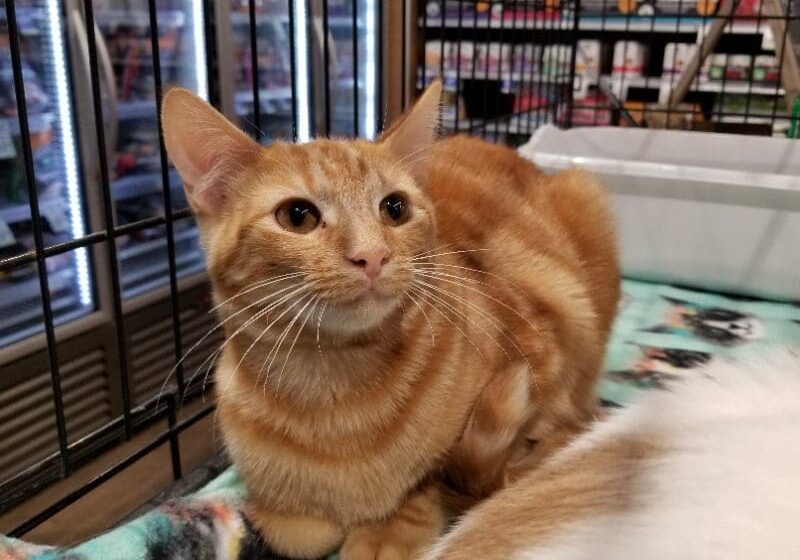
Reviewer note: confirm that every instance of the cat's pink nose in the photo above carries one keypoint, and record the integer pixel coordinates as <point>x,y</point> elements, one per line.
<point>371,259</point>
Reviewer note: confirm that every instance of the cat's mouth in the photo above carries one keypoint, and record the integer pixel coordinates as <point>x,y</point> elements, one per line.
<point>370,293</point>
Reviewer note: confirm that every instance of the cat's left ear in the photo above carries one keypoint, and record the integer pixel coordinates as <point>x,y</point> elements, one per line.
<point>410,138</point>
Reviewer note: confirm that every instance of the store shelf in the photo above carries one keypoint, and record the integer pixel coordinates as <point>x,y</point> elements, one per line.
<point>663,24</point>
<point>21,212</point>
<point>25,299</point>
<point>246,96</point>
<point>137,185</point>
<point>134,110</point>
<point>145,264</point>
<point>620,84</point>
<point>518,124</point>
<point>22,291</point>
<point>272,101</point>
<point>509,79</point>
<point>106,18</point>
<point>738,87</point>
<point>753,119</point>
<point>243,18</point>
<point>37,123</point>
<point>587,22</point>
<point>468,22</point>
<point>30,21</point>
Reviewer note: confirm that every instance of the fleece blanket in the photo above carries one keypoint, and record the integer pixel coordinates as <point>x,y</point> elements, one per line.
<point>661,334</point>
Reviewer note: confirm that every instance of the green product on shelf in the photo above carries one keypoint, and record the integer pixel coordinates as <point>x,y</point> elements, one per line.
<point>794,127</point>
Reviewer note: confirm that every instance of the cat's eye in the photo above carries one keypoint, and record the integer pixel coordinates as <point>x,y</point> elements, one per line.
<point>297,216</point>
<point>395,209</point>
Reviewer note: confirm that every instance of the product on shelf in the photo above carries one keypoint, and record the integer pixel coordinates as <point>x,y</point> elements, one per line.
<point>140,152</point>
<point>525,59</point>
<point>629,58</point>
<point>587,58</point>
<point>495,12</point>
<point>46,158</point>
<point>492,58</point>
<point>450,8</point>
<point>738,68</point>
<point>649,7</point>
<point>274,7</point>
<point>676,56</point>
<point>529,101</point>
<point>274,65</point>
<point>483,59</point>
<point>129,46</point>
<point>735,105</point>
<point>716,69</point>
<point>587,67</point>
<point>557,60</point>
<point>532,9</point>
<point>36,98</point>
<point>730,67</point>
<point>589,110</point>
<point>686,116</point>
<point>748,9</point>
<point>766,69</point>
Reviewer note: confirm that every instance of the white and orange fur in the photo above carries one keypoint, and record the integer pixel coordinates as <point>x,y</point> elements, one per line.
<point>437,347</point>
<point>707,470</point>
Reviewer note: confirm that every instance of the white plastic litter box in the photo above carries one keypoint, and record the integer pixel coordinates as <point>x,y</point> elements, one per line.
<point>716,211</point>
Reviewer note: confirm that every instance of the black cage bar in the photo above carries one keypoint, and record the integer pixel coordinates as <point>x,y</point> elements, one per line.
<point>508,67</point>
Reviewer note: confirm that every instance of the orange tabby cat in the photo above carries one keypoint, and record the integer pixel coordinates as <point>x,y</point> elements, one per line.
<point>403,317</point>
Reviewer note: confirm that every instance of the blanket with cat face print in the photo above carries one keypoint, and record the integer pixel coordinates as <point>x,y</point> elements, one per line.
<point>661,334</point>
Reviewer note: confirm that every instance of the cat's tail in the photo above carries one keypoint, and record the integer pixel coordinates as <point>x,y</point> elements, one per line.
<point>707,469</point>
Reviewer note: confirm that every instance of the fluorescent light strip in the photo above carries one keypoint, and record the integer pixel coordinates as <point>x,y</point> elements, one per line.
<point>302,85</point>
<point>199,36</point>
<point>64,109</point>
<point>370,70</point>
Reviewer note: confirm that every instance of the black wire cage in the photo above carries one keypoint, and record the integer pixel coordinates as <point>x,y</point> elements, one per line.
<point>102,289</point>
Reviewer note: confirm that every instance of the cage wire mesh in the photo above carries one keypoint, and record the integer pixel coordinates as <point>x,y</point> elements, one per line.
<point>299,68</point>
<point>510,66</point>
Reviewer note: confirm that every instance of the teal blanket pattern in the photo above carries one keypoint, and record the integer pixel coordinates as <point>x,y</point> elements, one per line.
<point>661,334</point>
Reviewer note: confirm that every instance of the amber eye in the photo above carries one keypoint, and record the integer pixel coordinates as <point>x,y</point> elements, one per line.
<point>395,209</point>
<point>298,216</point>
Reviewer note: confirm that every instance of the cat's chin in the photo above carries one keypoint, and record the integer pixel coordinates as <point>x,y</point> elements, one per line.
<point>359,316</point>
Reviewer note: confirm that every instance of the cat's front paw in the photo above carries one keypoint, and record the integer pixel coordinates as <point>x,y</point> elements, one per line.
<point>374,544</point>
<point>404,536</point>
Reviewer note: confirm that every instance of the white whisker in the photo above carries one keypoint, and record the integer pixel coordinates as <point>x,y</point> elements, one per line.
<point>204,337</point>
<point>449,253</point>
<point>430,325</point>
<point>319,323</point>
<point>271,324</point>
<point>439,275</point>
<point>255,317</point>
<point>434,266</point>
<point>501,328</point>
<point>252,287</point>
<point>294,342</point>
<point>433,250</point>
<point>279,341</point>
<point>432,299</point>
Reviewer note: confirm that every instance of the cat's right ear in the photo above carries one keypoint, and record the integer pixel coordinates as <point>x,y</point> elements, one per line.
<point>206,149</point>
<point>410,138</point>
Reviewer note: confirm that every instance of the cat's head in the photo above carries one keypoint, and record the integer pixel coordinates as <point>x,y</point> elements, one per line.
<point>338,220</point>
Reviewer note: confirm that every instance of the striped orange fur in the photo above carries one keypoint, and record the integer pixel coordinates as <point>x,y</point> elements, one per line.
<point>360,406</point>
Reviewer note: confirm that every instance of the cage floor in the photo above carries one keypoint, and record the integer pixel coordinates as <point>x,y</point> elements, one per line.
<point>661,334</point>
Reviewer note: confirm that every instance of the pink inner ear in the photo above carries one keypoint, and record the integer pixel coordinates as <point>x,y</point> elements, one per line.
<point>411,137</point>
<point>205,147</point>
